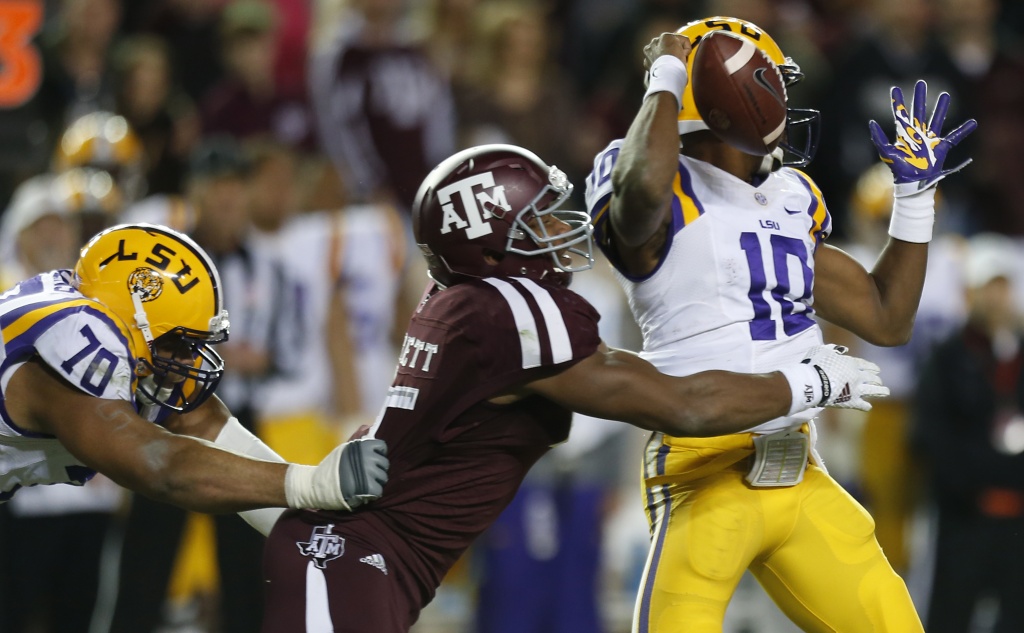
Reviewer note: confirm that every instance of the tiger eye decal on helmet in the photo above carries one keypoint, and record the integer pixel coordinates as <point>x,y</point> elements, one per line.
<point>166,290</point>
<point>494,210</point>
<point>800,142</point>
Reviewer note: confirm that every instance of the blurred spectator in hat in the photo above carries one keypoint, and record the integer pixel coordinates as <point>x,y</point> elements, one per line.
<point>969,429</point>
<point>248,102</point>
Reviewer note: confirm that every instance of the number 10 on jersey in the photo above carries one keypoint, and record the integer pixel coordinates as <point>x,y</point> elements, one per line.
<point>782,251</point>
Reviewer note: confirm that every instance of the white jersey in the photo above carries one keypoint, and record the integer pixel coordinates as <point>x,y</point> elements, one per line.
<point>84,343</point>
<point>733,288</point>
<point>360,250</point>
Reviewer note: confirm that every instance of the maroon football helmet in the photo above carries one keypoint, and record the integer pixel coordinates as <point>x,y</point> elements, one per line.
<point>490,200</point>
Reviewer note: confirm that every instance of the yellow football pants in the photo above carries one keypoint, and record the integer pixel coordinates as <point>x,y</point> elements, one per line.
<point>811,546</point>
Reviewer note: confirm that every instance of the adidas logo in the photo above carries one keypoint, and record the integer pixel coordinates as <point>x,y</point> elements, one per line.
<point>844,395</point>
<point>376,560</point>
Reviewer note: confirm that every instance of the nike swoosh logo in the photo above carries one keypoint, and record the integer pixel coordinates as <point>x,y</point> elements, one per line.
<point>791,211</point>
<point>761,81</point>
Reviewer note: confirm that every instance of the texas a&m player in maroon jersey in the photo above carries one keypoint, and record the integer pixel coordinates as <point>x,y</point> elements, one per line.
<point>497,356</point>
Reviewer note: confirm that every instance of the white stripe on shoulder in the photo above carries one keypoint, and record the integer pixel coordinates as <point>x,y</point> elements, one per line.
<point>525,324</point>
<point>558,335</point>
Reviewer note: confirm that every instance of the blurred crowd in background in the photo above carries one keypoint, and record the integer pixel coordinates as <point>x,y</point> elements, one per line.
<point>288,137</point>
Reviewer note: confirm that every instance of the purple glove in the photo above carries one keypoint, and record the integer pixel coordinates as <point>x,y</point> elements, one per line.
<point>917,155</point>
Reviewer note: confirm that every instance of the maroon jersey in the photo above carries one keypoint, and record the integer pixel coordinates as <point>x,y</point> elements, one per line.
<point>456,459</point>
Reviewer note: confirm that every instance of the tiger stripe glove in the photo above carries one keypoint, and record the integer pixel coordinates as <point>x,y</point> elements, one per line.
<point>917,156</point>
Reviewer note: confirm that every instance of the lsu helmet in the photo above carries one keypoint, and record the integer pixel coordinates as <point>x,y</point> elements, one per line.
<point>800,123</point>
<point>104,141</point>
<point>491,200</point>
<point>166,290</point>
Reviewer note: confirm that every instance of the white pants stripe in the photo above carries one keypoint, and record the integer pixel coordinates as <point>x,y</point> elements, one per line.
<point>318,612</point>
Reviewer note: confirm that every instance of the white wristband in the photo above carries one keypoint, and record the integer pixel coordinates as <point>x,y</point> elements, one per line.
<point>667,74</point>
<point>913,217</point>
<point>316,487</point>
<point>805,384</point>
<point>235,437</point>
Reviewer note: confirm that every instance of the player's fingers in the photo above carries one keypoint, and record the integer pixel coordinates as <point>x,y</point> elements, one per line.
<point>897,101</point>
<point>866,365</point>
<point>961,132</point>
<point>874,391</point>
<point>878,136</point>
<point>920,101</point>
<point>939,113</point>
<point>360,432</point>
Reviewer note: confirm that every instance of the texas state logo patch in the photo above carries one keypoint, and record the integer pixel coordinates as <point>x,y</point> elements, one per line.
<point>323,545</point>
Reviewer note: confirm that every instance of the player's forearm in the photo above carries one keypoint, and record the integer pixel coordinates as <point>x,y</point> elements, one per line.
<point>197,476</point>
<point>643,174</point>
<point>899,276</point>
<point>719,403</point>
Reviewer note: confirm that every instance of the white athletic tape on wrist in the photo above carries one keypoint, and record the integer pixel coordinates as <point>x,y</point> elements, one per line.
<point>913,217</point>
<point>235,437</point>
<point>667,74</point>
<point>805,385</point>
<point>316,487</point>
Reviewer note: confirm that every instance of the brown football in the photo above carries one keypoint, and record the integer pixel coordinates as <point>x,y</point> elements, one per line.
<point>739,92</point>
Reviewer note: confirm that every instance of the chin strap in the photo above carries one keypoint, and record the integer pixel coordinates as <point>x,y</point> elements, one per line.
<point>141,320</point>
<point>771,162</point>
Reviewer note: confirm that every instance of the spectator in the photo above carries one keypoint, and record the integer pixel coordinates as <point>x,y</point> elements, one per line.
<point>247,102</point>
<point>164,119</point>
<point>516,93</point>
<point>384,111</point>
<point>190,28</point>
<point>969,429</point>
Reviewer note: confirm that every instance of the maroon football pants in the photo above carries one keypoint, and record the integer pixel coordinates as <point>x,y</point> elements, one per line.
<point>318,580</point>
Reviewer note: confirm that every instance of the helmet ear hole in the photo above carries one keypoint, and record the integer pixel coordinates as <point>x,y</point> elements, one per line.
<point>492,257</point>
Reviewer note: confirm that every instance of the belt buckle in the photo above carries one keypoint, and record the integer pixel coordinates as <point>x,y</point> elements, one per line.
<point>779,459</point>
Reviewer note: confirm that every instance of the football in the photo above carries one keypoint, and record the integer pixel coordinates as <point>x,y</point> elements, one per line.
<point>739,92</point>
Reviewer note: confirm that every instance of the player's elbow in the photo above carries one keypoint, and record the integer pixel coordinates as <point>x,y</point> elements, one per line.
<point>701,419</point>
<point>893,336</point>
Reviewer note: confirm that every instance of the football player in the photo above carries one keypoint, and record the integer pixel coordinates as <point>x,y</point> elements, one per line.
<point>129,332</point>
<point>722,256</point>
<point>496,357</point>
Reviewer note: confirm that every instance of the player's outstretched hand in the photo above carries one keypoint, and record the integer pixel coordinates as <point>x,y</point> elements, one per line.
<point>363,470</point>
<point>917,156</point>
<point>845,380</point>
<point>352,474</point>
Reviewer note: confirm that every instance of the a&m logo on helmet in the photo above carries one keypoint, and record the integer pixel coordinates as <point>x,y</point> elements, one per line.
<point>146,282</point>
<point>479,206</point>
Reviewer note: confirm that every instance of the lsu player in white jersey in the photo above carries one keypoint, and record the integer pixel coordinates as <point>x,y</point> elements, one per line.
<point>130,330</point>
<point>723,259</point>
